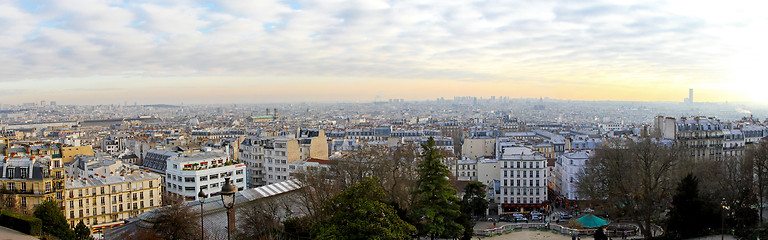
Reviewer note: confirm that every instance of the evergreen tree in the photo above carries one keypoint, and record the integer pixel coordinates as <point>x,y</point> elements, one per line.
<point>474,202</point>
<point>53,219</point>
<point>689,215</point>
<point>82,232</point>
<point>359,212</point>
<point>436,210</point>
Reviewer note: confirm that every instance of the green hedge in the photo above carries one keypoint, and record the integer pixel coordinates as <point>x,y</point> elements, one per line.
<point>22,223</point>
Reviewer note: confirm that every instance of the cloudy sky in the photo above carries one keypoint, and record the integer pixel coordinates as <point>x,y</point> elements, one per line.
<point>111,51</point>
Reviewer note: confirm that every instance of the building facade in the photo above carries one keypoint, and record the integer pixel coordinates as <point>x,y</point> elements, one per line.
<point>103,192</point>
<point>523,180</point>
<point>27,181</point>
<point>187,174</point>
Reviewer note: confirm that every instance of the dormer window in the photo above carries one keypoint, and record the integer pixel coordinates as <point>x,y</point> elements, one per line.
<point>9,173</point>
<point>23,173</point>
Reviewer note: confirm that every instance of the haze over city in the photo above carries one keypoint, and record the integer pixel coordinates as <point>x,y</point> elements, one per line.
<point>110,52</point>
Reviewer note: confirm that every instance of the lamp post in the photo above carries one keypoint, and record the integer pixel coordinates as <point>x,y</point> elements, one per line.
<point>722,223</point>
<point>201,195</point>
<point>228,200</point>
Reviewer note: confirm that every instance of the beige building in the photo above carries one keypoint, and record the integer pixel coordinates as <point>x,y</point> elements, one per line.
<point>474,148</point>
<point>104,192</point>
<point>27,181</point>
<point>68,153</point>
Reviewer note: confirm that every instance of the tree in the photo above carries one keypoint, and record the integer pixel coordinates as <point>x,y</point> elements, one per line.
<point>474,202</point>
<point>757,159</point>
<point>634,178</point>
<point>82,232</point>
<point>177,221</point>
<point>262,220</point>
<point>54,222</point>
<point>359,212</point>
<point>688,216</point>
<point>436,210</point>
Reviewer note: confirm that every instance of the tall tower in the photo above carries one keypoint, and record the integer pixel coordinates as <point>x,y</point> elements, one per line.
<point>690,95</point>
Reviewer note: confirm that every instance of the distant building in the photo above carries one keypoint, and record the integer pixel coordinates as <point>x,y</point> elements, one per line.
<point>68,153</point>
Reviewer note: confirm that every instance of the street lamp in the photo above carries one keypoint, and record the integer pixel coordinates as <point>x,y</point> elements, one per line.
<point>722,223</point>
<point>201,195</point>
<point>228,200</point>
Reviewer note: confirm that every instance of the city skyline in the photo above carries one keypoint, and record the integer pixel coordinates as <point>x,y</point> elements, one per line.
<point>103,52</point>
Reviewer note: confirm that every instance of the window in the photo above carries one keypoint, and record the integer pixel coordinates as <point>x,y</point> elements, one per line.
<point>71,204</point>
<point>189,188</point>
<point>151,193</point>
<point>239,180</point>
<point>102,200</point>
<point>214,176</point>
<point>238,172</point>
<point>189,179</point>
<point>151,183</point>
<point>80,202</point>
<point>47,187</point>
<point>71,214</point>
<point>203,178</point>
<point>151,202</point>
<point>102,190</point>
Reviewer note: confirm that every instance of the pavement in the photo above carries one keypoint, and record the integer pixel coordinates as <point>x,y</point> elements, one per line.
<point>10,234</point>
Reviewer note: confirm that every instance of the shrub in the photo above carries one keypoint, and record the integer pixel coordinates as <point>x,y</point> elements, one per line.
<point>22,223</point>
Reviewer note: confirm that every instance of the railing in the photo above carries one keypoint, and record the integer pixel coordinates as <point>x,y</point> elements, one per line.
<point>508,228</point>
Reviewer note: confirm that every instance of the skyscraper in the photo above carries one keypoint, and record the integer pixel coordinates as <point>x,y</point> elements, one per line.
<point>690,95</point>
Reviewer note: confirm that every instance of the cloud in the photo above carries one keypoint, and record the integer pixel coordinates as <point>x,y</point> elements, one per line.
<point>583,41</point>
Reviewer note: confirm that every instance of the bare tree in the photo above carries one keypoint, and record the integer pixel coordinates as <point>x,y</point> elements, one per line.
<point>177,221</point>
<point>757,161</point>
<point>263,219</point>
<point>636,178</point>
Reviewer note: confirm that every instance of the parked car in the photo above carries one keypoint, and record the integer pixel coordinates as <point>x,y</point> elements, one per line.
<point>535,213</point>
<point>521,219</point>
<point>536,218</point>
<point>517,215</point>
<point>506,218</point>
<point>565,216</point>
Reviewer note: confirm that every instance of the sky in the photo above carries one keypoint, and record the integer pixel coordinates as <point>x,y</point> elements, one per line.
<point>163,51</point>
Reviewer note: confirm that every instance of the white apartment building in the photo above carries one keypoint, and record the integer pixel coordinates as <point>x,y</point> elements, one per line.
<point>188,173</point>
<point>523,180</point>
<point>103,192</point>
<point>567,169</point>
<point>463,170</point>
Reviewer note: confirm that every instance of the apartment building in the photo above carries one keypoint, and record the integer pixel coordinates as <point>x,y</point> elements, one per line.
<point>186,174</point>
<point>704,136</point>
<point>29,180</point>
<point>567,169</point>
<point>104,192</point>
<point>268,158</point>
<point>733,142</point>
<point>523,180</point>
